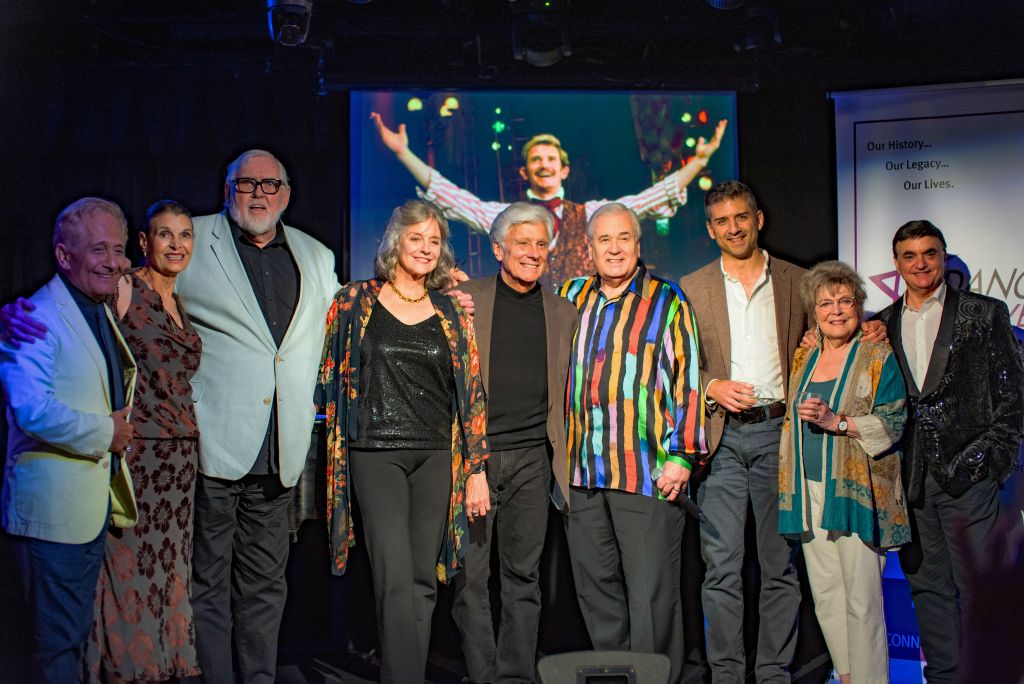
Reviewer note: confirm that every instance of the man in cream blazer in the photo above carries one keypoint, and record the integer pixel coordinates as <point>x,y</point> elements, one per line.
<point>65,477</point>
<point>257,292</point>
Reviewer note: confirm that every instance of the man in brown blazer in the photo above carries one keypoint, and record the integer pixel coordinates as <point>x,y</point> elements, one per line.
<point>751,320</point>
<point>524,335</point>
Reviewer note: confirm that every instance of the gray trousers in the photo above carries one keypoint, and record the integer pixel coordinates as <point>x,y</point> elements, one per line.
<point>520,481</point>
<point>626,560</point>
<point>238,586</point>
<point>948,535</point>
<point>746,469</point>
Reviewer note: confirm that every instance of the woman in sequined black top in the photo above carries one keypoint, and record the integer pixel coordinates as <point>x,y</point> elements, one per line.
<point>400,384</point>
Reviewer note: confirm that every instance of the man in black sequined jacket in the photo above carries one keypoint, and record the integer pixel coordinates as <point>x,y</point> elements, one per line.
<point>965,388</point>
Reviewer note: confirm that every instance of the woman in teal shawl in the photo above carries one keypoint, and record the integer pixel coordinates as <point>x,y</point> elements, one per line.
<point>840,490</point>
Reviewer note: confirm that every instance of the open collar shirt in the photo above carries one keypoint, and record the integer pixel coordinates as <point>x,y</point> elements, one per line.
<point>754,336</point>
<point>919,328</point>
<point>634,396</point>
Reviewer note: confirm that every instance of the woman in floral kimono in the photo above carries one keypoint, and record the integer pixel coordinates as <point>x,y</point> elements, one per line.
<point>400,384</point>
<point>840,490</point>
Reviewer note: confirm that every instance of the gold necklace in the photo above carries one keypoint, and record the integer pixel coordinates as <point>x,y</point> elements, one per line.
<point>407,299</point>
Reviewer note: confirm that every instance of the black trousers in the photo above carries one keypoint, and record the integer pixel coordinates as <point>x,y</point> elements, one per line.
<point>947,533</point>
<point>626,562</point>
<point>519,482</point>
<point>239,556</point>
<point>404,497</point>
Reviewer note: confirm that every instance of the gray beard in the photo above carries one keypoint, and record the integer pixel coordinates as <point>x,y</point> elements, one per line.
<point>254,228</point>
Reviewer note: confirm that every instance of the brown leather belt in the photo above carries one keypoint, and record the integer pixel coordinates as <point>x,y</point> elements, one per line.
<point>758,414</point>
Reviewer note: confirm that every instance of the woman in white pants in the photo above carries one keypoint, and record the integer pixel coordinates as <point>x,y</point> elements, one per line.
<point>840,490</point>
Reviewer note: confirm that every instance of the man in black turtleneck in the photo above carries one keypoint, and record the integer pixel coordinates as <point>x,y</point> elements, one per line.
<point>524,335</point>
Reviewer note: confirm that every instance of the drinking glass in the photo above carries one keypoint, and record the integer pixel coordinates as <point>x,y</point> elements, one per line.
<point>806,396</point>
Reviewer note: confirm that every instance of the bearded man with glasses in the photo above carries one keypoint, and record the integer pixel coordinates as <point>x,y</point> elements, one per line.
<point>258,292</point>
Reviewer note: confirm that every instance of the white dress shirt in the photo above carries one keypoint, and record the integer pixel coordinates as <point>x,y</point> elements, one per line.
<point>920,328</point>
<point>754,336</point>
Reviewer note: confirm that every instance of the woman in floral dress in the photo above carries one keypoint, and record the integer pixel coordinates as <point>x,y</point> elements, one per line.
<point>143,628</point>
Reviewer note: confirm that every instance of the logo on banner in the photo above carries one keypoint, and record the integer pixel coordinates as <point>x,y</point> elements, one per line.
<point>882,282</point>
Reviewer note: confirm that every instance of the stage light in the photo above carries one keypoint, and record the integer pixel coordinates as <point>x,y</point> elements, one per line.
<point>495,145</point>
<point>498,126</point>
<point>414,104</point>
<point>288,21</point>
<point>497,110</point>
<point>705,183</point>
<point>661,227</point>
<point>691,142</point>
<point>445,112</point>
<point>687,117</point>
<point>452,102</point>
<point>702,116</point>
<point>540,31</point>
<point>760,31</point>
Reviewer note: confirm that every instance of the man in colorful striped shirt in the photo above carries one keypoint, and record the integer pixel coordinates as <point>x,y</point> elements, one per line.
<point>635,427</point>
<point>545,167</point>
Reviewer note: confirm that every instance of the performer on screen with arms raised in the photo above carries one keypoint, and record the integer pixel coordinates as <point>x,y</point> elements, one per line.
<point>545,167</point>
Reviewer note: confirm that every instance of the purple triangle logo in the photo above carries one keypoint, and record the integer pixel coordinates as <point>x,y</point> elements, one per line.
<point>889,283</point>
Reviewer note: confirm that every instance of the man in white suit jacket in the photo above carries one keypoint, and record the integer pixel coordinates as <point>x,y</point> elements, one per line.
<point>68,399</point>
<point>257,291</point>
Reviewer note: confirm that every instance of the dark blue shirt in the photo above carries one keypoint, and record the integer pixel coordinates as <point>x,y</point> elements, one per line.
<point>95,315</point>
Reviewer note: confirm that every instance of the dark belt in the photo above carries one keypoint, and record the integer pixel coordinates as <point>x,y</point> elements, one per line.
<point>758,414</point>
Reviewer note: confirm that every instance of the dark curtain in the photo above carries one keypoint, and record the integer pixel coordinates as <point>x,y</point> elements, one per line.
<point>138,133</point>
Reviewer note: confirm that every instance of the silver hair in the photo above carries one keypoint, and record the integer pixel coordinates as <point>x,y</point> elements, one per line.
<point>402,218</point>
<point>246,156</point>
<point>830,276</point>
<point>521,212</point>
<point>69,223</point>
<point>610,209</point>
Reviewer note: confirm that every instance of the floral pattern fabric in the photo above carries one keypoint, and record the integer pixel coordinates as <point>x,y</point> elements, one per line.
<point>337,396</point>
<point>143,628</point>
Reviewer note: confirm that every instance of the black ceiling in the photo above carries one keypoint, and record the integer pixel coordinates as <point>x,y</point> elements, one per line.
<point>857,43</point>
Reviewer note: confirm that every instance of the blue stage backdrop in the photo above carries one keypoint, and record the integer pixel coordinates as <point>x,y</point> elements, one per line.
<point>618,144</point>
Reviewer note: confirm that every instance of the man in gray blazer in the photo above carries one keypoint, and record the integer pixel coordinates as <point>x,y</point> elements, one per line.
<point>257,291</point>
<point>68,398</point>
<point>524,334</point>
<point>751,320</point>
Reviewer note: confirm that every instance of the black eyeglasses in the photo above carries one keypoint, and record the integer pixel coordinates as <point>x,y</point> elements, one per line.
<point>269,186</point>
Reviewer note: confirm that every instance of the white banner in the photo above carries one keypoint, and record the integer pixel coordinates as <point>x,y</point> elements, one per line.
<point>953,155</point>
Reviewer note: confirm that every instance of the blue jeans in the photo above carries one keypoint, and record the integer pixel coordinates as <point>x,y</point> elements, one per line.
<point>745,468</point>
<point>59,585</point>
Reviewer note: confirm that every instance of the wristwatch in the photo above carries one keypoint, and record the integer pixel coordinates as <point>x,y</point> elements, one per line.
<point>843,425</point>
